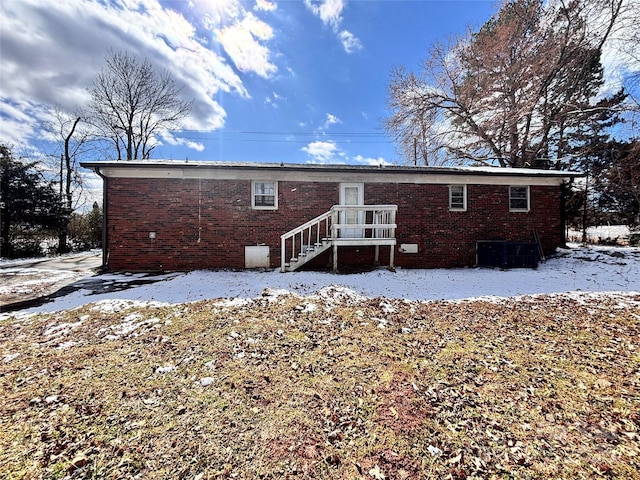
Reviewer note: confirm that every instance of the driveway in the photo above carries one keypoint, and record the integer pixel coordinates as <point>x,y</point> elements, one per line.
<point>22,281</point>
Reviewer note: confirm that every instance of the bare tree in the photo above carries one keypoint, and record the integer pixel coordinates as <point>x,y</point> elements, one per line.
<point>132,103</point>
<point>75,141</point>
<point>511,93</point>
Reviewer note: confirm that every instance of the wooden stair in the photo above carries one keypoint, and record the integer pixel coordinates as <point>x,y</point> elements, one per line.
<point>308,253</point>
<point>374,225</point>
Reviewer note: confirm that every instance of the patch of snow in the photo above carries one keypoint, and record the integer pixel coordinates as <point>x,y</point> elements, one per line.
<point>165,369</point>
<point>206,381</point>
<point>16,261</point>
<point>306,307</point>
<point>334,295</point>
<point>272,294</point>
<point>387,307</point>
<point>382,322</point>
<point>10,357</point>
<point>119,305</point>
<point>229,303</point>
<point>602,232</point>
<point>434,451</point>
<point>576,269</point>
<point>129,325</point>
<point>62,328</point>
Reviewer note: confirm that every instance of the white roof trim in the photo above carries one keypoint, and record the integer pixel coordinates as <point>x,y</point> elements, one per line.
<point>329,173</point>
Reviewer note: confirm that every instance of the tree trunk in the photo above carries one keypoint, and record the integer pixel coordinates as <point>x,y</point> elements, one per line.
<point>66,197</point>
<point>5,221</point>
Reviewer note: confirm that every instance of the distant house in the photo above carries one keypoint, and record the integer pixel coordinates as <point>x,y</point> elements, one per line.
<point>184,215</point>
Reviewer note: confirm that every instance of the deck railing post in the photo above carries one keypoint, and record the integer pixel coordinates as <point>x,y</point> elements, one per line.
<point>334,223</point>
<point>293,246</point>
<point>282,253</point>
<point>392,251</point>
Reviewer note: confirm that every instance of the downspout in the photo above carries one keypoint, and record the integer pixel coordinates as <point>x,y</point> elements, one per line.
<point>105,255</point>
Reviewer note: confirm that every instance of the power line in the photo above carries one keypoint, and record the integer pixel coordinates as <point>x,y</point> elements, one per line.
<point>302,142</point>
<point>295,137</point>
<point>292,134</point>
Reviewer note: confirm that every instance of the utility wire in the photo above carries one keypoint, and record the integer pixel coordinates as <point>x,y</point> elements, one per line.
<point>297,134</point>
<point>231,135</point>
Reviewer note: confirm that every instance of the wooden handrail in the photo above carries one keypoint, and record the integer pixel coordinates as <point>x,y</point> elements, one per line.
<point>382,225</point>
<point>307,227</point>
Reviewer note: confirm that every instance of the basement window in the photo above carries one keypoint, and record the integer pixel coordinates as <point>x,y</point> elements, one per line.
<point>458,198</point>
<point>518,199</point>
<point>264,195</point>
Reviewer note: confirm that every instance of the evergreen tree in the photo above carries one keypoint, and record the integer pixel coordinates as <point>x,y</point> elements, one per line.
<point>28,204</point>
<point>589,148</point>
<point>94,219</point>
<point>618,182</point>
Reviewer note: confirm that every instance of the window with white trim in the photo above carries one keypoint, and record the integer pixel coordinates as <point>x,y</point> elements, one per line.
<point>458,198</point>
<point>264,195</point>
<point>519,199</point>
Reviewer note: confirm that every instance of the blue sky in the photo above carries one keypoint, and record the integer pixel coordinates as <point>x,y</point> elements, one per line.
<point>280,81</point>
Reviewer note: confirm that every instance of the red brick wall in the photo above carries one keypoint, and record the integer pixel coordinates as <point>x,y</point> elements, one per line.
<point>448,239</point>
<point>207,223</point>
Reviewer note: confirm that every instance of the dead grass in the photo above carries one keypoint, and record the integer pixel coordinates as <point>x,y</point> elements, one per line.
<point>324,387</point>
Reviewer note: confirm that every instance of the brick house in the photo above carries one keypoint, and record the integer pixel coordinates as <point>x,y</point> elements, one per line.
<point>184,215</point>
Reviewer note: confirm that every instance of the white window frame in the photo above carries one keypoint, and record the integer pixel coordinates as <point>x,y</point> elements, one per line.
<point>453,208</point>
<point>254,194</point>
<point>518,198</point>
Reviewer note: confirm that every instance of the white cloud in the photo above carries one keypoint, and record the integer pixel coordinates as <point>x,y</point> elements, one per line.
<point>16,121</point>
<point>265,5</point>
<point>331,120</point>
<point>323,152</point>
<point>52,51</point>
<point>171,139</point>
<point>273,99</point>
<point>241,42</point>
<point>218,12</point>
<point>349,42</point>
<point>330,12</point>
<point>371,161</point>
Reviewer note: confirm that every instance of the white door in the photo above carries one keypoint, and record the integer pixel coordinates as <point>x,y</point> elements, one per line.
<point>351,194</point>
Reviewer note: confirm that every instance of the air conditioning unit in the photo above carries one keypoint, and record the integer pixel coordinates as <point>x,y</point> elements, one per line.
<point>503,254</point>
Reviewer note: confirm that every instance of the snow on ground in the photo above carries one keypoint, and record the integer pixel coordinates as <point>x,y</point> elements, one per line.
<point>576,269</point>
<point>607,233</point>
<point>25,279</point>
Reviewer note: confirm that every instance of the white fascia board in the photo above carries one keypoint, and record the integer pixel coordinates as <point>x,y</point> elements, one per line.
<point>332,176</point>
